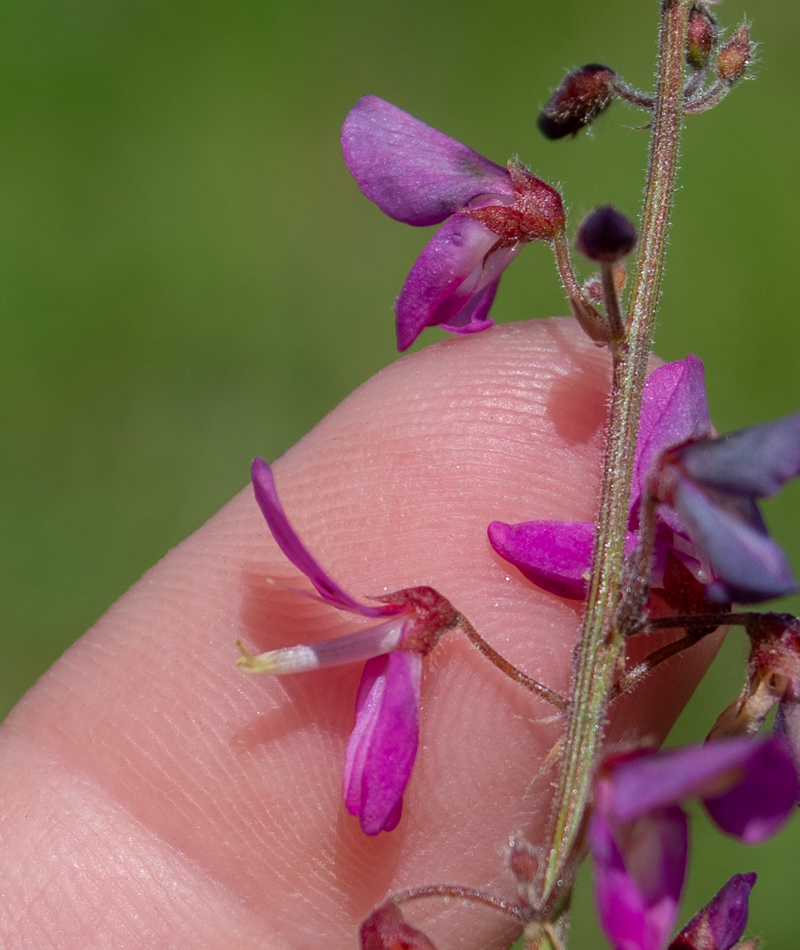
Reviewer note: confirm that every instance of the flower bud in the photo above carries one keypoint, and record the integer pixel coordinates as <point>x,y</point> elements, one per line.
<point>525,864</point>
<point>701,37</point>
<point>719,925</point>
<point>580,97</point>
<point>606,235</point>
<point>735,56</point>
<point>385,929</point>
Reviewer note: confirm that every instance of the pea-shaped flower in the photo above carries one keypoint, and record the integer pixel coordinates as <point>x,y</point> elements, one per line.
<point>420,176</point>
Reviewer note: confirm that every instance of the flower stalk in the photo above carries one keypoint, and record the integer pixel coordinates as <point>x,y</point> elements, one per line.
<point>602,641</point>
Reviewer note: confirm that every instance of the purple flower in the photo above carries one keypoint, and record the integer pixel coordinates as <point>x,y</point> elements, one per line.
<point>557,555</point>
<point>707,517</point>
<point>713,484</point>
<point>720,924</point>
<point>383,744</point>
<point>420,176</point>
<point>638,832</point>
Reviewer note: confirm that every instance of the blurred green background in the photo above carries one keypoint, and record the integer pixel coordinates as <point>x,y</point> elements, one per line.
<point>189,276</point>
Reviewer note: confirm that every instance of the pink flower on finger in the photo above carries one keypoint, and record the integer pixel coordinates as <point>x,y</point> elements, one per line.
<point>382,747</point>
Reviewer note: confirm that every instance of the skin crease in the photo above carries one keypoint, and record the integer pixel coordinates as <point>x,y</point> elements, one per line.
<point>153,795</point>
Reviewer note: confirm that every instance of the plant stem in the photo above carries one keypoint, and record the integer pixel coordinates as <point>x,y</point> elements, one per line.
<point>539,689</point>
<point>601,643</point>
<point>468,894</point>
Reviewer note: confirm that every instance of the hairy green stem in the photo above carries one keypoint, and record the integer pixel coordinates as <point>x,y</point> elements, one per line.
<point>601,642</point>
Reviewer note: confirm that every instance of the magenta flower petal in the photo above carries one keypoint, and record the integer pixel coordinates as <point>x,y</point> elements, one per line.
<point>748,787</point>
<point>413,172</point>
<point>294,549</point>
<point>720,924</point>
<point>639,872</point>
<point>674,410</point>
<point>750,565</point>
<point>383,744</point>
<point>761,801</point>
<point>638,832</point>
<point>555,555</point>
<point>453,282</point>
<point>755,461</point>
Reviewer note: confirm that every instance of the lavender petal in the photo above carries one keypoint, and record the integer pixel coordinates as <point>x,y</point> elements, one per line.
<point>413,172</point>
<point>674,410</point>
<point>751,566</point>
<point>754,461</point>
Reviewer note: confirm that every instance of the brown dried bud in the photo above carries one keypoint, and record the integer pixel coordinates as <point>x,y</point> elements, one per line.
<point>701,37</point>
<point>385,929</point>
<point>523,860</point>
<point>775,645</point>
<point>525,864</point>
<point>580,97</point>
<point>735,57</point>
<point>745,716</point>
<point>606,235</point>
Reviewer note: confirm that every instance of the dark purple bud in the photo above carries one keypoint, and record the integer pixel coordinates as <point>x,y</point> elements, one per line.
<point>720,924</point>
<point>385,929</point>
<point>701,37</point>
<point>735,56</point>
<point>606,235</point>
<point>580,97</point>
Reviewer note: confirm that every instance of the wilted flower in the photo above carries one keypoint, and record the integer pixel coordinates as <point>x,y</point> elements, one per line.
<point>383,744</point>
<point>579,99</point>
<point>773,680</point>
<point>420,176</point>
<point>638,832</point>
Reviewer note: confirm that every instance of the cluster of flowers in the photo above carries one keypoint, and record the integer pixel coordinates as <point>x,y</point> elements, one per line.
<point>693,514</point>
